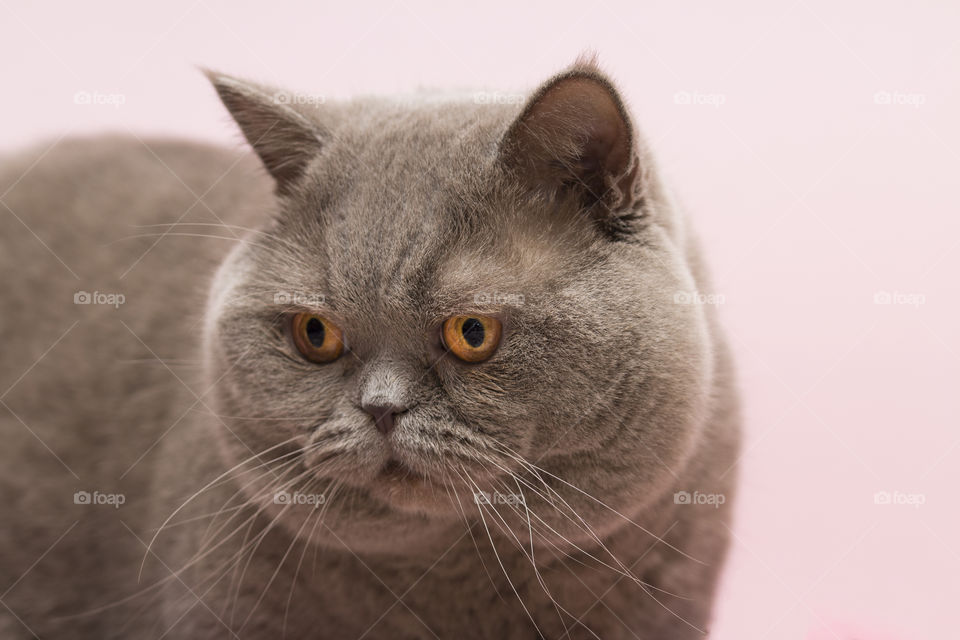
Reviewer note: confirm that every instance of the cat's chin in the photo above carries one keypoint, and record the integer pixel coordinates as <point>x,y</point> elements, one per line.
<point>399,486</point>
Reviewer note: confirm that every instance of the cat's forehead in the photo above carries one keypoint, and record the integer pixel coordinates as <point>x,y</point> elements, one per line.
<point>415,216</point>
<point>406,252</point>
<point>399,183</point>
<point>402,145</point>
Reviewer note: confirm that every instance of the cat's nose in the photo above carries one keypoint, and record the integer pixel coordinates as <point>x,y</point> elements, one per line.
<point>384,415</point>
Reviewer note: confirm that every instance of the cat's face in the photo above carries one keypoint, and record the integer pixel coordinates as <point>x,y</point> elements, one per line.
<point>536,229</point>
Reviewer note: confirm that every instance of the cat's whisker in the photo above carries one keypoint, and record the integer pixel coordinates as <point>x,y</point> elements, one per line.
<point>537,470</point>
<point>547,540</point>
<point>181,234</point>
<point>307,543</point>
<point>265,471</point>
<point>205,488</point>
<point>455,500</point>
<point>205,516</point>
<point>158,584</point>
<point>256,497</point>
<point>205,549</point>
<point>311,471</point>
<point>201,597</point>
<point>278,485</point>
<point>206,411</point>
<point>493,546</point>
<point>533,559</point>
<point>221,225</point>
<point>283,248</point>
<point>627,573</point>
<point>293,542</point>
<point>233,561</point>
<point>583,526</point>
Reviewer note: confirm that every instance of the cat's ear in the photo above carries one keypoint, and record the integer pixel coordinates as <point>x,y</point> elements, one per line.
<point>574,138</point>
<point>285,139</point>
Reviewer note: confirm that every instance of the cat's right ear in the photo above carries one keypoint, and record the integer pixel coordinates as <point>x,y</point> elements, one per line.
<point>574,138</point>
<point>285,139</point>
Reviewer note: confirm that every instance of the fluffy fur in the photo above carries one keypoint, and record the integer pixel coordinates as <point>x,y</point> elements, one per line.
<point>605,398</point>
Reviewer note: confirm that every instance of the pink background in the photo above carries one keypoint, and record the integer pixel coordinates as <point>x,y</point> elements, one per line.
<point>812,195</point>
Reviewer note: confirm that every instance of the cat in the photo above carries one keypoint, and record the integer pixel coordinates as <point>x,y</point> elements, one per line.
<point>427,368</point>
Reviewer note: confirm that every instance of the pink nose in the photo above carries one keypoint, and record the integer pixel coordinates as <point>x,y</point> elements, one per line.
<point>383,415</point>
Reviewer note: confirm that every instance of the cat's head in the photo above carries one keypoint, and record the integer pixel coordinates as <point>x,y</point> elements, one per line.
<point>456,307</point>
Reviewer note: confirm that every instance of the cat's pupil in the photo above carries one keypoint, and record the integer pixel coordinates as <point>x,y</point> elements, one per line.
<point>473,332</point>
<point>315,332</point>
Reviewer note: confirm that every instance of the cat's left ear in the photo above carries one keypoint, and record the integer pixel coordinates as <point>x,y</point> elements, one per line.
<point>574,137</point>
<point>285,139</point>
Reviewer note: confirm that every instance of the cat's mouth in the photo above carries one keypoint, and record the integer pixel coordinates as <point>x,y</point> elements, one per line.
<point>401,486</point>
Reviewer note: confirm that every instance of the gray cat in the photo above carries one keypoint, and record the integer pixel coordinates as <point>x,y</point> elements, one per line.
<point>438,372</point>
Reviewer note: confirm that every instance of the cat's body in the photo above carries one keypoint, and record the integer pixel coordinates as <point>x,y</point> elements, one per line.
<point>151,401</point>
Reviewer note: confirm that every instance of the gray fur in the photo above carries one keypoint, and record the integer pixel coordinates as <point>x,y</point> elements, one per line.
<point>387,217</point>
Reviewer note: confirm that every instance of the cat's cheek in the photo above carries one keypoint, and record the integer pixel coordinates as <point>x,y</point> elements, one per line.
<point>486,400</point>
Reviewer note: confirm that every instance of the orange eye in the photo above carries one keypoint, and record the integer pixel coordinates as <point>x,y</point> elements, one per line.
<point>471,338</point>
<point>316,338</point>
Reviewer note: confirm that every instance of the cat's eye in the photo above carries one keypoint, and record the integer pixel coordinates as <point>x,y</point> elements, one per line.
<point>471,338</point>
<point>316,338</point>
